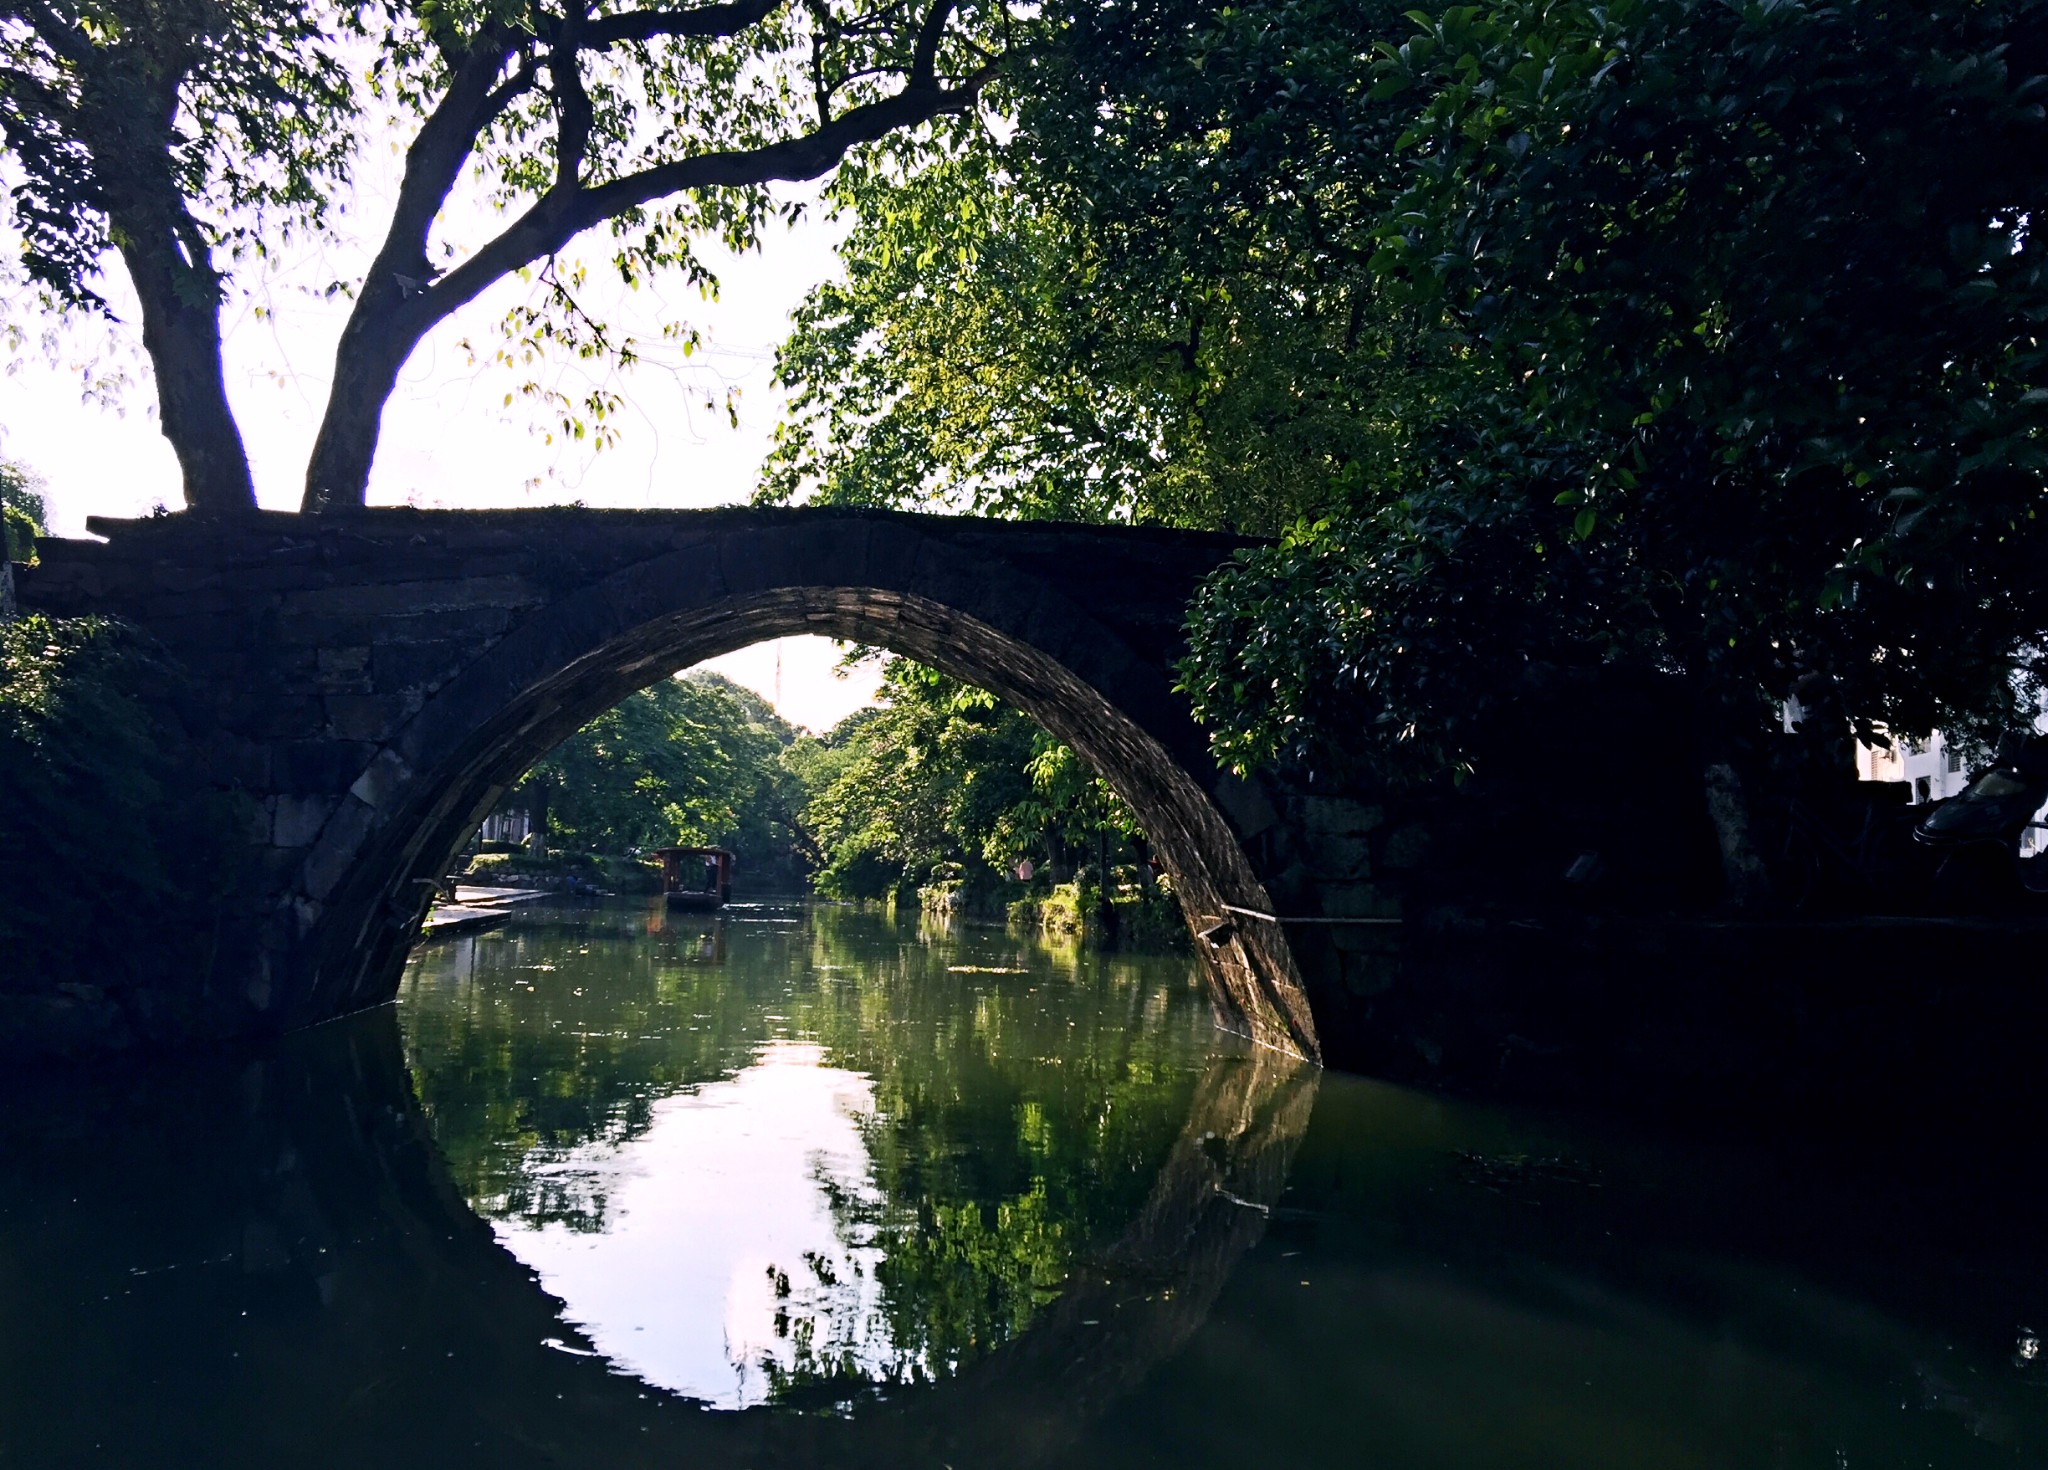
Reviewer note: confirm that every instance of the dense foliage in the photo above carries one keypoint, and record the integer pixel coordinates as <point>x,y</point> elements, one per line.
<point>113,861</point>
<point>692,760</point>
<point>938,781</point>
<point>1148,303</point>
<point>22,510</point>
<point>942,776</point>
<point>1673,335</point>
<point>1762,393</point>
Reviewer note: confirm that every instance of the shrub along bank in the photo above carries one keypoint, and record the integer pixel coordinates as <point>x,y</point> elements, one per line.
<point>115,859</point>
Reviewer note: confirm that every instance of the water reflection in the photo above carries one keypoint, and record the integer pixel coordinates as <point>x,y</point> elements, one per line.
<point>1101,1241</point>
<point>797,1155</point>
<point>271,1264</point>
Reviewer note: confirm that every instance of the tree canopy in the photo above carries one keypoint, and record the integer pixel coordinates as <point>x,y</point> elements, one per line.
<point>193,139</point>
<point>1700,338</point>
<point>942,773</point>
<point>22,509</point>
<point>1147,302</point>
<point>691,760</point>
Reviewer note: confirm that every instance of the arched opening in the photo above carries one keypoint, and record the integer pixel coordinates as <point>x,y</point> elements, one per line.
<point>447,769</point>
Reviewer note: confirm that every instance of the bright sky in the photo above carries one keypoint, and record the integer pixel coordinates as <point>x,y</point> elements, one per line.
<point>450,440</point>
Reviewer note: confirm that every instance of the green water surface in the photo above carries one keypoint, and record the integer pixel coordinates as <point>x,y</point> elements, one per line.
<point>810,1186</point>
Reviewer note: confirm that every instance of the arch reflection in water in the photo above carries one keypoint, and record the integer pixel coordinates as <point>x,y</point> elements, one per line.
<point>275,1264</point>
<point>818,1159</point>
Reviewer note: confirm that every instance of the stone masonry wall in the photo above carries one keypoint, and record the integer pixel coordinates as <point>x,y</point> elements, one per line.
<point>372,682</point>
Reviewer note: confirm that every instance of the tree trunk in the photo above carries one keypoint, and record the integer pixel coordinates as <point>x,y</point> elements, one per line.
<point>181,333</point>
<point>373,348</point>
<point>1742,869</point>
<point>540,797</point>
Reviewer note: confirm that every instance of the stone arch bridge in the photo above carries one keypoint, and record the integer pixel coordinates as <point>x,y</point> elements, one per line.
<point>374,683</point>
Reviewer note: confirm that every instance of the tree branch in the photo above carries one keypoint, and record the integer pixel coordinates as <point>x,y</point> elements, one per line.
<point>572,107</point>
<point>45,100</point>
<point>435,159</point>
<point>698,21</point>
<point>556,218</point>
<point>925,57</point>
<point>513,87</point>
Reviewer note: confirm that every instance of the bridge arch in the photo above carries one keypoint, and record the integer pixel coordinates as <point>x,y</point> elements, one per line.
<point>591,641</point>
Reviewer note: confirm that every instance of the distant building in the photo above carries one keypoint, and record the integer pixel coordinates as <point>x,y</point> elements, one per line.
<point>511,825</point>
<point>1935,770</point>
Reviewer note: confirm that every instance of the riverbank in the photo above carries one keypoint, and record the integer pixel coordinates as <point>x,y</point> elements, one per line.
<point>474,909</point>
<point>1141,918</point>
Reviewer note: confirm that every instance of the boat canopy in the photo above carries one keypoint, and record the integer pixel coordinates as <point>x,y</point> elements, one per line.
<point>711,874</point>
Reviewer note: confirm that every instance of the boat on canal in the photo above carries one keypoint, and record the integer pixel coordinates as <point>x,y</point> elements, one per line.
<point>696,877</point>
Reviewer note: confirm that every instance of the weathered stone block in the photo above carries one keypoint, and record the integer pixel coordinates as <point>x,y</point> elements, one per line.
<point>297,820</point>
<point>341,842</point>
<point>385,599</point>
<point>750,562</point>
<point>259,820</point>
<point>1338,815</point>
<point>344,669</point>
<point>305,914</point>
<point>239,763</point>
<point>275,873</point>
<point>661,587</point>
<point>1404,849</point>
<point>1367,939</point>
<point>324,766</point>
<point>1330,855</point>
<point>282,717</point>
<point>424,666</point>
<point>386,775</point>
<point>1369,974</point>
<point>477,625</point>
<point>1245,804</point>
<point>370,717</point>
<point>890,556</point>
<point>1359,901</point>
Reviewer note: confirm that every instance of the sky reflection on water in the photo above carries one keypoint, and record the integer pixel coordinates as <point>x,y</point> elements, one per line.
<point>784,1152</point>
<point>682,1286</point>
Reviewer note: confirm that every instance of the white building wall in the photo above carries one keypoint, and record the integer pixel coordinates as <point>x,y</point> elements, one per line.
<point>1934,771</point>
<point>513,826</point>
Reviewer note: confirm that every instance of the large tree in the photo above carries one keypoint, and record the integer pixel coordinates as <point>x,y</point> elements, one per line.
<point>191,137</point>
<point>692,759</point>
<point>1147,300</point>
<point>1695,337</point>
<point>1754,300</point>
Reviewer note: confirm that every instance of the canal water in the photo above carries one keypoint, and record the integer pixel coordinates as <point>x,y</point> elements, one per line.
<point>809,1186</point>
